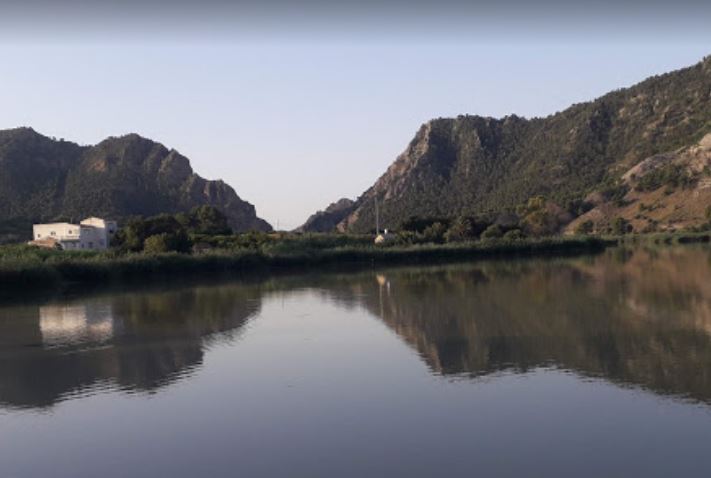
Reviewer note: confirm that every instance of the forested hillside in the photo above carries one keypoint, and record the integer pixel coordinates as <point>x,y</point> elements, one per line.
<point>473,165</point>
<point>42,179</point>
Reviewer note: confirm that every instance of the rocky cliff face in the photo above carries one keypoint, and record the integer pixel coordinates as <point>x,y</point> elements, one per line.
<point>472,164</point>
<point>42,179</point>
<point>328,219</point>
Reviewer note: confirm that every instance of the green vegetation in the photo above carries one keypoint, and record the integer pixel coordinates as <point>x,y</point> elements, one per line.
<point>473,165</point>
<point>24,268</point>
<point>662,238</point>
<point>170,233</point>
<point>44,180</point>
<point>177,246</point>
<point>585,227</point>
<point>620,226</point>
<point>492,232</point>
<point>535,218</point>
<point>15,230</point>
<point>672,176</point>
<point>615,192</point>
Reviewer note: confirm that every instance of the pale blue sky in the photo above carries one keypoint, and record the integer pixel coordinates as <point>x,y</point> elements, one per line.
<point>295,123</point>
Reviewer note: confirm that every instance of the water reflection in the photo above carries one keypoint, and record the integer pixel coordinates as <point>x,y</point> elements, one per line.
<point>74,323</point>
<point>137,341</point>
<point>637,317</point>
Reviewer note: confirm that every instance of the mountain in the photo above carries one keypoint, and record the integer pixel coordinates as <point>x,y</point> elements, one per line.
<point>328,219</point>
<point>472,165</point>
<point>665,192</point>
<point>42,179</point>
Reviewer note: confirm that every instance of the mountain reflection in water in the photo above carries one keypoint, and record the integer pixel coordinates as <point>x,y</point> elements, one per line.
<point>137,342</point>
<point>635,317</point>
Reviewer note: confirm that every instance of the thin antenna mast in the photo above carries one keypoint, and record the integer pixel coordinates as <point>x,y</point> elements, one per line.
<point>377,217</point>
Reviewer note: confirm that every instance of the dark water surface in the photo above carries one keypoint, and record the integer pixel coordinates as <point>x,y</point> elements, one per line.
<point>553,368</point>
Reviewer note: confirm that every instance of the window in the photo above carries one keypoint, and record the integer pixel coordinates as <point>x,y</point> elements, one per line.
<point>39,235</point>
<point>52,233</point>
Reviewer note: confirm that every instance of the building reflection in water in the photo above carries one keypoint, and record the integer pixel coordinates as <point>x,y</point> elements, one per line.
<point>67,324</point>
<point>640,318</point>
<point>134,342</point>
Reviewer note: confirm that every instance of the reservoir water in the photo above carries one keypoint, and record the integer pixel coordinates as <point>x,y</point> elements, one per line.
<point>586,367</point>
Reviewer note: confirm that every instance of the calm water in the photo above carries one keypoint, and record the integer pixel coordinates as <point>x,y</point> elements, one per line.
<point>570,367</point>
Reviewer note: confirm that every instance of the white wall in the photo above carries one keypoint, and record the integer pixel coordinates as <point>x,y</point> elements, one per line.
<point>59,231</point>
<point>92,233</point>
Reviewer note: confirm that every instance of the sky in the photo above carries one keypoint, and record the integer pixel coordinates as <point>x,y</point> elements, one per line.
<point>297,104</point>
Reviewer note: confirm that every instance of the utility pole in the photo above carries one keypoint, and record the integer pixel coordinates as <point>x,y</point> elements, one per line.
<point>377,217</point>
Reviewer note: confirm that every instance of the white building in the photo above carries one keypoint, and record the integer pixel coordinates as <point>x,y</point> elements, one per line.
<point>384,238</point>
<point>91,234</point>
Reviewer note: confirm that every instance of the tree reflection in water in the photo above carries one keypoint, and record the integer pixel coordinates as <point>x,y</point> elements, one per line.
<point>636,317</point>
<point>138,341</point>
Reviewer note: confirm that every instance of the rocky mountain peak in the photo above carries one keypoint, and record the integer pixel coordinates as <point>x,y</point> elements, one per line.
<point>42,179</point>
<point>482,165</point>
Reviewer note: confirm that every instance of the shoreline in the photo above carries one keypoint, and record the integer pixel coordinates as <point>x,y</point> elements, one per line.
<point>57,273</point>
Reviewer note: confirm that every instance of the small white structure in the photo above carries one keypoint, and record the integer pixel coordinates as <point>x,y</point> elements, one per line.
<point>92,233</point>
<point>384,238</point>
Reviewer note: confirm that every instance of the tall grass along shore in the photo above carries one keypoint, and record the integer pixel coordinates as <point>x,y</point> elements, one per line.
<point>25,269</point>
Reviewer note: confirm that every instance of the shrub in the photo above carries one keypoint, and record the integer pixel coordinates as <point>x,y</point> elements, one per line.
<point>585,227</point>
<point>133,235</point>
<point>492,232</point>
<point>615,193</point>
<point>461,229</point>
<point>578,207</point>
<point>672,176</point>
<point>621,226</point>
<point>514,235</point>
<point>435,233</point>
<point>157,244</point>
<point>167,242</point>
<point>420,224</point>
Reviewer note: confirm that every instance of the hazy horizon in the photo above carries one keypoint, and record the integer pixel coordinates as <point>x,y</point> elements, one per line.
<point>298,105</point>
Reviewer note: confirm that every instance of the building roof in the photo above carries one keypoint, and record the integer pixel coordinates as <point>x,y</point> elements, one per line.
<point>57,224</point>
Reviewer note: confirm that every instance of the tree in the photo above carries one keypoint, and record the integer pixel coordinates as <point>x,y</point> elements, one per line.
<point>585,227</point>
<point>462,229</point>
<point>207,220</point>
<point>133,235</point>
<point>621,226</point>
<point>514,235</point>
<point>419,224</point>
<point>539,218</point>
<point>435,233</point>
<point>157,244</point>
<point>492,232</point>
<point>167,242</point>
